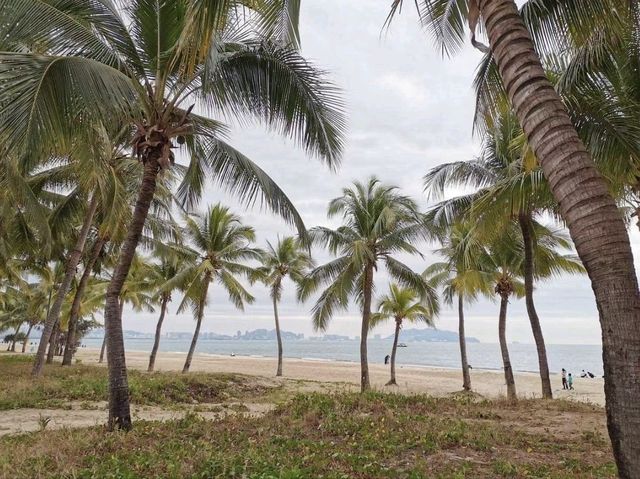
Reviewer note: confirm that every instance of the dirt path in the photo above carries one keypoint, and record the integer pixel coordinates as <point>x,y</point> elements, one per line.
<point>17,421</point>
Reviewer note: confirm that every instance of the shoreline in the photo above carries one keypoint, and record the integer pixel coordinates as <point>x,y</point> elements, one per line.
<point>324,360</point>
<point>412,379</point>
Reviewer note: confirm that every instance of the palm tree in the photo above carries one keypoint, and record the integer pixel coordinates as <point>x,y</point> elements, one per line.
<point>379,222</point>
<point>287,258</point>
<point>507,260</point>
<point>221,244</point>
<point>144,65</point>
<point>162,272</point>
<point>507,251</point>
<point>74,314</point>
<point>402,304</point>
<point>463,276</point>
<point>596,226</point>
<point>511,185</point>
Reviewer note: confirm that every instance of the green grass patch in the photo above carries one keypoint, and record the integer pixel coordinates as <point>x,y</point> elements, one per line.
<point>58,386</point>
<point>331,436</point>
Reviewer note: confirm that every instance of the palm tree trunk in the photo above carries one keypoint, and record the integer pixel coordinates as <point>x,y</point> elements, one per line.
<point>196,333</point>
<point>53,341</point>
<point>365,384</point>
<point>278,336</point>
<point>528,241</point>
<point>70,345</point>
<point>119,409</point>
<point>15,338</point>
<point>103,348</point>
<point>72,261</point>
<point>26,338</point>
<point>394,350</point>
<point>591,214</point>
<point>466,377</point>
<point>506,362</point>
<point>156,341</point>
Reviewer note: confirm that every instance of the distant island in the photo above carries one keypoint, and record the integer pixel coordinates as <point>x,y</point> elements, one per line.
<point>427,334</point>
<point>431,335</point>
<point>255,335</point>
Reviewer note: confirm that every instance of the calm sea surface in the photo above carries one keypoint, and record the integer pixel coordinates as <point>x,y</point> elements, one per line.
<point>574,358</point>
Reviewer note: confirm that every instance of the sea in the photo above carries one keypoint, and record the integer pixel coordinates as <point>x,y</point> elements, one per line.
<point>574,358</point>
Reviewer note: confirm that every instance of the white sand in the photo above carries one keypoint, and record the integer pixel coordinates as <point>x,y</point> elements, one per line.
<point>434,381</point>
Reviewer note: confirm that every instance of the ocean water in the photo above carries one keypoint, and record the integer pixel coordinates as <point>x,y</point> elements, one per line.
<point>573,358</point>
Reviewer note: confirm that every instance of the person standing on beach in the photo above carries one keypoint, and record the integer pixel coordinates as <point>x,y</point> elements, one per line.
<point>386,359</point>
<point>564,379</point>
<point>570,381</point>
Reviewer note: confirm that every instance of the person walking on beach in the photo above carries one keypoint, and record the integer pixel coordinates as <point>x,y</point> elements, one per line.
<point>570,381</point>
<point>386,359</point>
<point>564,379</point>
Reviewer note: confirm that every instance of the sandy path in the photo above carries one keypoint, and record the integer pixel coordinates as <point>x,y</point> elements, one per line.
<point>17,421</point>
<point>433,381</point>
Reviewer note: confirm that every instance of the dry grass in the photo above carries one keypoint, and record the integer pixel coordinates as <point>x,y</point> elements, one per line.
<point>317,435</point>
<point>59,386</point>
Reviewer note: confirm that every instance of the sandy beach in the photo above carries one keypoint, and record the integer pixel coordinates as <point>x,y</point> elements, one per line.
<point>434,381</point>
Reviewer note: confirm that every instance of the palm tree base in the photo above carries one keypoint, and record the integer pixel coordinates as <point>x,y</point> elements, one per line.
<point>392,382</point>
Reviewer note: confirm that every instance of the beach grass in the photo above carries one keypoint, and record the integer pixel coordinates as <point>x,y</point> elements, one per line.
<point>307,435</point>
<point>59,386</point>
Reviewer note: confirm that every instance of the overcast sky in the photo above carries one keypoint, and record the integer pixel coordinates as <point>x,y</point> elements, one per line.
<point>408,110</point>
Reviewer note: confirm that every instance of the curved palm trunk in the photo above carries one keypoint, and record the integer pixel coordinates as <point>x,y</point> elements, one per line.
<point>119,410</point>
<point>70,345</point>
<point>466,377</point>
<point>196,333</point>
<point>365,384</point>
<point>506,362</point>
<point>528,240</point>
<point>394,350</point>
<point>26,338</point>
<point>278,336</point>
<point>53,315</point>
<point>53,342</point>
<point>156,341</point>
<point>591,214</point>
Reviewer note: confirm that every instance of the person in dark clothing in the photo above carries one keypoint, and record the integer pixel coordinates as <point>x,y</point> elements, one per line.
<point>386,359</point>
<point>564,379</point>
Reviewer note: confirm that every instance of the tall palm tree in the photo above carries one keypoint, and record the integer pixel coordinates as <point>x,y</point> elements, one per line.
<point>378,223</point>
<point>146,65</point>
<point>404,304</point>
<point>167,267</point>
<point>290,259</point>
<point>507,259</point>
<point>463,276</point>
<point>591,214</point>
<point>511,185</point>
<point>222,243</point>
<point>507,252</point>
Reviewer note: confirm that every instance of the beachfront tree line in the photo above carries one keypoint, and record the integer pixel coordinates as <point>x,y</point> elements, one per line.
<point>216,247</point>
<point>95,98</point>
